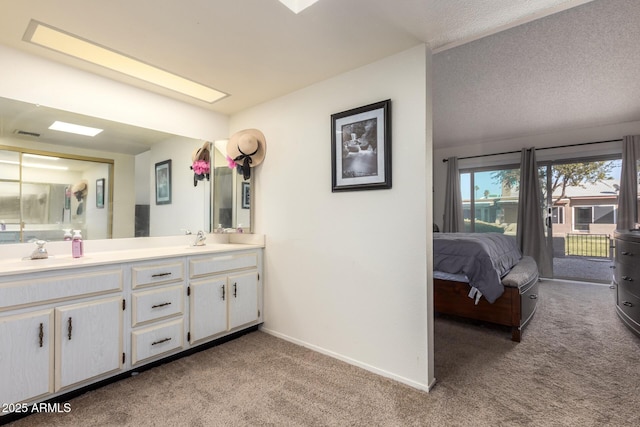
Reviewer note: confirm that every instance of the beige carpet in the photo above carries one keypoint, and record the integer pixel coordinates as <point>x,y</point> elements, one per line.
<point>577,366</point>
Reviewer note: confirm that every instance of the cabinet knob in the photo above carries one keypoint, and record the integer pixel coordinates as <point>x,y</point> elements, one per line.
<point>41,334</point>
<point>69,327</point>
<point>534,296</point>
<point>235,290</point>
<point>627,253</point>
<point>627,304</point>
<point>161,341</point>
<point>223,292</point>
<point>627,278</point>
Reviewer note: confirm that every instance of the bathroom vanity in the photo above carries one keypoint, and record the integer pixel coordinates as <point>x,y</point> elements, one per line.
<point>68,323</point>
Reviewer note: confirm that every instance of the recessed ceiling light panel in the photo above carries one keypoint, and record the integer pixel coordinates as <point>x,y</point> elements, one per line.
<point>69,44</point>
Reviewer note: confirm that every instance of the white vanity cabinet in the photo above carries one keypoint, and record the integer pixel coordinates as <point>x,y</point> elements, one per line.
<point>157,309</point>
<point>90,319</point>
<point>58,331</point>
<point>224,293</point>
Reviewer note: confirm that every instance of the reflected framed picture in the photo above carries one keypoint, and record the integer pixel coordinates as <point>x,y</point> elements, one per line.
<point>361,148</point>
<point>163,182</point>
<point>100,193</point>
<point>246,195</point>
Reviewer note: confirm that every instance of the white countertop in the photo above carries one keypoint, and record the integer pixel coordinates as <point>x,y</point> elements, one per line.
<point>14,258</point>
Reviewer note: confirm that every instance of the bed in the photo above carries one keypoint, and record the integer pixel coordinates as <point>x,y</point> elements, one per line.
<point>484,277</point>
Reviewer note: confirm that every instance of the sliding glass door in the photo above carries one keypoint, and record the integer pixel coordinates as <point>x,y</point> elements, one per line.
<point>581,202</point>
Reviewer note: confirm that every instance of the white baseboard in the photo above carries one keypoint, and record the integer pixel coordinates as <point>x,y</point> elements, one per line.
<point>373,369</point>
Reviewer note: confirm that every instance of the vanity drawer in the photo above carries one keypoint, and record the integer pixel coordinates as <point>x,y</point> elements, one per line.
<point>220,263</point>
<point>156,340</point>
<point>153,274</point>
<point>155,304</point>
<point>28,292</point>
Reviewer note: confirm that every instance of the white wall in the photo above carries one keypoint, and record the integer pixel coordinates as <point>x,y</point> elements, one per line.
<point>188,208</point>
<point>556,139</point>
<point>32,79</point>
<point>346,273</point>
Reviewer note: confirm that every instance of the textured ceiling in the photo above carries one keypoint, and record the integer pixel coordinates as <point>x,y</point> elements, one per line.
<point>257,50</point>
<point>575,69</point>
<point>501,69</point>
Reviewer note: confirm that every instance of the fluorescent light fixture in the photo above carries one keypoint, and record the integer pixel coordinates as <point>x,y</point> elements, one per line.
<point>297,6</point>
<point>35,165</point>
<point>72,128</point>
<point>52,38</point>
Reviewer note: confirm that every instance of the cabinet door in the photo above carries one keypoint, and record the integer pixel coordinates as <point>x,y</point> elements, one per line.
<point>243,299</point>
<point>208,308</point>
<point>88,340</point>
<point>26,356</point>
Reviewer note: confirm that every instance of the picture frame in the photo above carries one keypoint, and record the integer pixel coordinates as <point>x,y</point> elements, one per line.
<point>361,148</point>
<point>246,195</point>
<point>100,193</point>
<point>163,182</point>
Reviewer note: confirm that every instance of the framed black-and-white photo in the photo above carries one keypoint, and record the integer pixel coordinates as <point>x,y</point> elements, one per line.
<point>100,193</point>
<point>361,148</point>
<point>163,183</point>
<point>246,195</point>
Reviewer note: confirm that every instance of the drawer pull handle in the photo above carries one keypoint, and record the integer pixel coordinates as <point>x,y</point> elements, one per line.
<point>627,253</point>
<point>161,341</point>
<point>627,278</point>
<point>161,274</point>
<point>223,292</point>
<point>69,327</point>
<point>41,334</point>
<point>627,303</point>
<point>235,290</point>
<point>160,305</point>
<point>534,296</point>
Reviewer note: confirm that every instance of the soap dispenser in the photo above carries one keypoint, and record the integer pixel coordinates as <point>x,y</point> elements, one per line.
<point>67,234</point>
<point>76,244</point>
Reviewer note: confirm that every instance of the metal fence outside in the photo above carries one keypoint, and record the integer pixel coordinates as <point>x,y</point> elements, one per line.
<point>588,245</point>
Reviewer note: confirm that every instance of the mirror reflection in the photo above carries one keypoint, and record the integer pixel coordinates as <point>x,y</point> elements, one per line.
<point>232,194</point>
<point>118,168</point>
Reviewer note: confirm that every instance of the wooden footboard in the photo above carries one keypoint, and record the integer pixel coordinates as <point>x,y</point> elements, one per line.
<point>514,308</point>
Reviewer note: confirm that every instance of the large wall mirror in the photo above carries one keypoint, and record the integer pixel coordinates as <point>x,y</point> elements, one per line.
<point>118,167</point>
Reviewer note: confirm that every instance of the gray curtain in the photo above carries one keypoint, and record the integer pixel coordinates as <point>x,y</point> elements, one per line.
<point>530,235</point>
<point>628,196</point>
<point>453,217</point>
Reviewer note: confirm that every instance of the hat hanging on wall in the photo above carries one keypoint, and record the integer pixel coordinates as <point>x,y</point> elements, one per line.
<point>80,190</point>
<point>246,149</point>
<point>201,163</point>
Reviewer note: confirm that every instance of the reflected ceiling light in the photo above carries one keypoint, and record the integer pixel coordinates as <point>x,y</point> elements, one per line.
<point>41,166</point>
<point>38,156</point>
<point>72,128</point>
<point>35,165</point>
<point>297,6</point>
<point>52,38</point>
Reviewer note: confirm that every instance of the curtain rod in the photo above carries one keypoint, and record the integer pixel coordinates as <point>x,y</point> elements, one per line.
<point>537,149</point>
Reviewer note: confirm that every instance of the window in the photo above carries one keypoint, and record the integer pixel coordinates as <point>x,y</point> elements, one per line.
<point>557,215</point>
<point>586,215</point>
<point>490,200</point>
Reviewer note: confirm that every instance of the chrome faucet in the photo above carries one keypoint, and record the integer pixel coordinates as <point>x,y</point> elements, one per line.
<point>40,252</point>
<point>200,238</point>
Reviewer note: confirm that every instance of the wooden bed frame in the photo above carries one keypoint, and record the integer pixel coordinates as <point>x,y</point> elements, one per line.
<point>514,308</point>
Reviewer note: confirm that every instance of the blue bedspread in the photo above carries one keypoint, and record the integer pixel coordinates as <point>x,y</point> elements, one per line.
<point>483,257</point>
